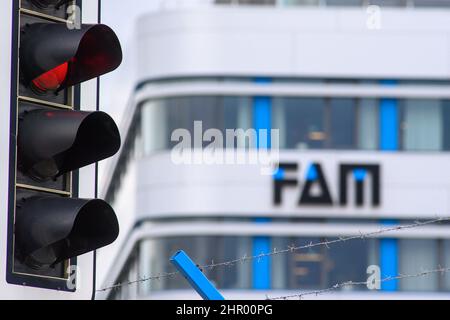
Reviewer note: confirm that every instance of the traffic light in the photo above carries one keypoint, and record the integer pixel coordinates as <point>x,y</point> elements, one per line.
<point>51,138</point>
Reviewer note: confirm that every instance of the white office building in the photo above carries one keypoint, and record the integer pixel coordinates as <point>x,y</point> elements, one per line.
<point>360,93</point>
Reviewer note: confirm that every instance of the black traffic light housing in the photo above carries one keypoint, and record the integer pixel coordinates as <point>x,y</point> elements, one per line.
<point>50,229</point>
<point>54,142</point>
<point>47,3</point>
<point>54,58</point>
<point>51,138</point>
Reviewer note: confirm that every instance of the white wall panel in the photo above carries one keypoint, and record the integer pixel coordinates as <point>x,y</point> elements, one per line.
<point>413,185</point>
<point>294,42</point>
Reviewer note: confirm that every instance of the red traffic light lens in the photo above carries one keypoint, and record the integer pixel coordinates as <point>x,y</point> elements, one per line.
<point>53,79</point>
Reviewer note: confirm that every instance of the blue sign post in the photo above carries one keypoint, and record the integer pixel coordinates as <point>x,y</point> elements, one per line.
<point>195,277</point>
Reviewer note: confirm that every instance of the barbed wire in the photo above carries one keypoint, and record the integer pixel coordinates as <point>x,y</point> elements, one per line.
<point>289,249</point>
<point>144,279</point>
<point>326,243</point>
<point>341,285</point>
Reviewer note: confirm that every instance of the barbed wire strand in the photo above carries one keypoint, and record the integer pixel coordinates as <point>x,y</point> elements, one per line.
<point>289,249</point>
<point>360,283</point>
<point>144,279</point>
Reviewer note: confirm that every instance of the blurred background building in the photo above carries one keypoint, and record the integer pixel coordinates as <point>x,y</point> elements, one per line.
<point>346,84</point>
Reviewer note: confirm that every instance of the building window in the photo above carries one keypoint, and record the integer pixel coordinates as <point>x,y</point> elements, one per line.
<point>353,3</point>
<point>425,125</point>
<point>247,2</point>
<point>315,268</point>
<point>342,115</point>
<point>321,267</point>
<point>446,125</point>
<point>432,3</point>
<point>417,255</point>
<point>300,2</point>
<point>129,273</point>
<point>301,122</point>
<point>445,254</point>
<point>388,3</point>
<point>367,124</point>
<point>160,118</point>
<point>316,123</point>
<point>203,250</point>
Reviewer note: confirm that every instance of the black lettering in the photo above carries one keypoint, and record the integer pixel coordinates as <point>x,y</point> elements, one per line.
<point>359,172</point>
<point>280,182</point>
<point>307,198</point>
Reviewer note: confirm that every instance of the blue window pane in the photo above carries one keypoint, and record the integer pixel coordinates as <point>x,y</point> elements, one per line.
<point>342,124</point>
<point>301,122</point>
<point>446,125</point>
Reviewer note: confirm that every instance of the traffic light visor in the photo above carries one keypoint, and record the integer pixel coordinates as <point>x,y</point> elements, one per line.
<point>54,142</point>
<point>54,57</point>
<point>47,3</point>
<point>53,229</point>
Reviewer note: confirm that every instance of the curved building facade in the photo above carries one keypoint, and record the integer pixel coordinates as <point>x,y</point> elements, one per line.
<point>360,100</point>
